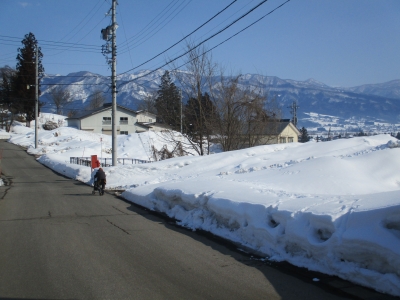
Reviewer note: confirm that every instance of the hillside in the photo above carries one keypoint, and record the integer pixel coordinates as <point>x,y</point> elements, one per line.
<point>374,102</point>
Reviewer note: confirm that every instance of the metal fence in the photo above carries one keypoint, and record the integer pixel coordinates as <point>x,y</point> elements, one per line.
<point>83,161</point>
<point>107,162</point>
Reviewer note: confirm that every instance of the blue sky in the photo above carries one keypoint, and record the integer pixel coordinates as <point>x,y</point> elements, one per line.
<point>338,42</point>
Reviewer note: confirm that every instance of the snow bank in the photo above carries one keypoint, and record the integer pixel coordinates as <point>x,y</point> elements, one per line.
<point>332,207</point>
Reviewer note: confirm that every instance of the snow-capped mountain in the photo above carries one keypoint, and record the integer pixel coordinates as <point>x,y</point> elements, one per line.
<point>389,89</point>
<point>372,102</point>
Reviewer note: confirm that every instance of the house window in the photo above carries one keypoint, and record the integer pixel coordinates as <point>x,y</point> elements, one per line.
<point>150,120</point>
<point>123,132</point>
<point>282,140</point>
<point>290,140</point>
<point>106,120</point>
<point>123,120</point>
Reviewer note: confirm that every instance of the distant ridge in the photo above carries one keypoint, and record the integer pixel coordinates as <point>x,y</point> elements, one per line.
<point>372,101</point>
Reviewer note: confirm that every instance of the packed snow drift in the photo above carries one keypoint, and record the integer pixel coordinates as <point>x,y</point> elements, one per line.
<point>332,207</point>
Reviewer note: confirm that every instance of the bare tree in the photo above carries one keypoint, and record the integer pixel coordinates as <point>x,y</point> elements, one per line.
<point>60,97</point>
<point>195,82</point>
<point>179,145</point>
<point>246,116</point>
<point>149,103</point>
<point>227,98</point>
<point>96,100</point>
<point>221,109</point>
<point>73,112</point>
<point>261,118</point>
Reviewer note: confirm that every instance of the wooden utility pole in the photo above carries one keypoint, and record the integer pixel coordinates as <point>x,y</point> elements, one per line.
<point>36,95</point>
<point>114,83</point>
<point>109,34</point>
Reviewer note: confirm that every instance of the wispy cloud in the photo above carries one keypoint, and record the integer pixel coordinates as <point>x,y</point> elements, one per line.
<point>24,4</point>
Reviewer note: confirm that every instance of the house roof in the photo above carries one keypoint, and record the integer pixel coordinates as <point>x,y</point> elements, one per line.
<point>276,128</point>
<point>152,124</point>
<point>144,125</point>
<point>84,114</point>
<point>145,112</point>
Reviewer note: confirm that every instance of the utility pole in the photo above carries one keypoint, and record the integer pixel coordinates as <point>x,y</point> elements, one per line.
<point>293,111</point>
<point>36,95</point>
<point>181,111</point>
<point>114,83</point>
<point>109,34</point>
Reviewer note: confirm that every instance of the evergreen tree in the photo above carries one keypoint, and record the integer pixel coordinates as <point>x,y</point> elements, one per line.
<point>7,104</point>
<point>304,137</point>
<point>168,102</point>
<point>26,77</point>
<point>398,136</point>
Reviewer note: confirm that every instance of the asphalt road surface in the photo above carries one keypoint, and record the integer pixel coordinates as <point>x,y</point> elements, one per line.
<point>58,241</point>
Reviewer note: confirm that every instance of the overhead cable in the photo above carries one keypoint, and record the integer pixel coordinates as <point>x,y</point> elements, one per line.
<point>139,77</point>
<point>148,24</point>
<point>202,25</point>
<point>161,26</point>
<point>209,38</point>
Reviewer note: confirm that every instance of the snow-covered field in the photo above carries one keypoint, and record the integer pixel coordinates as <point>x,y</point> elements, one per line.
<point>332,207</point>
<point>319,124</point>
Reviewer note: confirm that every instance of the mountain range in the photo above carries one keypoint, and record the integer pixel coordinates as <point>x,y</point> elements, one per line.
<point>373,102</point>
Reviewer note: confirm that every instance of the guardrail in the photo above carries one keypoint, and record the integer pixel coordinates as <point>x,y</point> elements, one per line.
<point>107,162</point>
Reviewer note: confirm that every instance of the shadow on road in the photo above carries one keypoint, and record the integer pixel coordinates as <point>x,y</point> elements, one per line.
<point>269,269</point>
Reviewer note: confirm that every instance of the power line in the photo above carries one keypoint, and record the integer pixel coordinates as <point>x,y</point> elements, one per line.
<point>141,41</point>
<point>68,49</point>
<point>64,76</point>
<point>63,49</point>
<point>81,29</point>
<point>148,24</point>
<point>82,37</point>
<point>49,45</point>
<point>53,63</point>
<point>48,84</point>
<point>209,38</point>
<point>201,37</point>
<point>46,46</point>
<point>247,4</point>
<point>102,2</point>
<point>125,82</point>
<point>129,51</point>
<point>18,39</point>
<point>202,25</point>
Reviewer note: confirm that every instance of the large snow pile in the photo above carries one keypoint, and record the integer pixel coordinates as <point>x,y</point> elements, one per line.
<point>332,207</point>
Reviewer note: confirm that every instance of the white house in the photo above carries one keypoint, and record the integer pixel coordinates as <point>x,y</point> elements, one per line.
<point>280,132</point>
<point>127,121</point>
